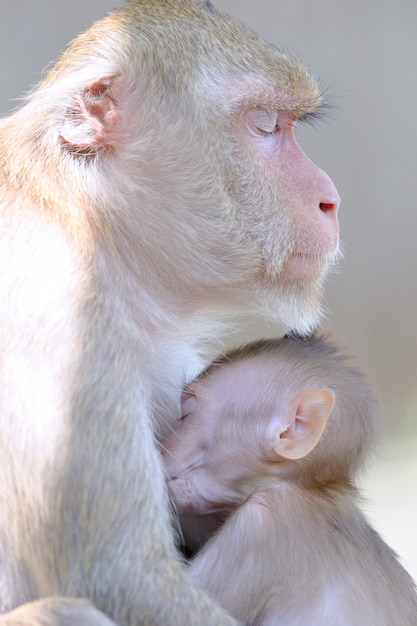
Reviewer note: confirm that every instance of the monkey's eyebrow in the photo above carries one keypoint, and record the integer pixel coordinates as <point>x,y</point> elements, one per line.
<point>302,110</point>
<point>307,112</point>
<point>310,117</point>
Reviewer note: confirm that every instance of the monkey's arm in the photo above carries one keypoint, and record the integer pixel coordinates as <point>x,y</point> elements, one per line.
<point>88,514</point>
<point>231,564</point>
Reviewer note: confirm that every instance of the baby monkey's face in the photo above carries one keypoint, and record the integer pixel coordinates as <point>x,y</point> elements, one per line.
<point>215,448</point>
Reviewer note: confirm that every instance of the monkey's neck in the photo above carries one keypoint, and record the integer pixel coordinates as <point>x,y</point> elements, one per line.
<point>183,349</point>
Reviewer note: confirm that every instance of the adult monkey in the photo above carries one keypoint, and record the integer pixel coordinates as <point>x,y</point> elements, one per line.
<point>152,192</point>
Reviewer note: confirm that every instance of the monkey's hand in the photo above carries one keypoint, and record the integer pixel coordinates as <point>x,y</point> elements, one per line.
<point>56,611</point>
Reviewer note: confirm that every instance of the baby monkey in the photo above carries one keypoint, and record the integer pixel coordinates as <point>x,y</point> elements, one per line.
<point>262,468</point>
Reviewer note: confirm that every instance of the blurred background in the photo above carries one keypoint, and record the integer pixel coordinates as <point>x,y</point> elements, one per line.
<point>365,55</point>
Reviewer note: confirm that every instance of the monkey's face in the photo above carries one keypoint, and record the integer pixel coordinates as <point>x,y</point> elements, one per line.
<point>289,210</point>
<point>294,216</point>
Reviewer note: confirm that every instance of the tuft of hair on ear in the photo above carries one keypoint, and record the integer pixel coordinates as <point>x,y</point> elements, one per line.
<point>91,119</point>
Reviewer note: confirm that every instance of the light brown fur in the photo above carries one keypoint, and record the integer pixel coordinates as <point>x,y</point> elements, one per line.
<point>143,214</point>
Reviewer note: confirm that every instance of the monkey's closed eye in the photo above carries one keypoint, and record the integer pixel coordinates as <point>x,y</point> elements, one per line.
<point>188,404</point>
<point>263,121</point>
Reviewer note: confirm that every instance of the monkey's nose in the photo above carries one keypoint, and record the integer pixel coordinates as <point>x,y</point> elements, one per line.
<point>328,206</point>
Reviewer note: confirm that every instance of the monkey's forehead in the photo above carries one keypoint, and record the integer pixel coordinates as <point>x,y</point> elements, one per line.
<point>192,43</point>
<point>229,53</point>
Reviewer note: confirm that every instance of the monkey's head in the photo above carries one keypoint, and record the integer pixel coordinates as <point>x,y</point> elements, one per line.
<point>176,123</point>
<point>273,412</point>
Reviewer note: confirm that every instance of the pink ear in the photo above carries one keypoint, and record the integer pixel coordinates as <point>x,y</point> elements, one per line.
<point>92,118</point>
<point>299,429</point>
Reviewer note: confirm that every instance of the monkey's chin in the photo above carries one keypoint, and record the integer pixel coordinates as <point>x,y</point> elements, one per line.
<point>292,301</point>
<point>304,269</point>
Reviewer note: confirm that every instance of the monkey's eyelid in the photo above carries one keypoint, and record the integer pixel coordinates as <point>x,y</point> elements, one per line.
<point>188,406</point>
<point>263,120</point>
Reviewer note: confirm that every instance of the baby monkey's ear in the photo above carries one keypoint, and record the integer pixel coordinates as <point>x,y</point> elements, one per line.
<point>298,428</point>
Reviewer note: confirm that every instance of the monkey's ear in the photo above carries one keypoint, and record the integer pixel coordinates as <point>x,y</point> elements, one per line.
<point>300,429</point>
<point>92,118</point>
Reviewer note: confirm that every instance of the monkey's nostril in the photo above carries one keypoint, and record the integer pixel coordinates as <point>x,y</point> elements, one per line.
<point>325,206</point>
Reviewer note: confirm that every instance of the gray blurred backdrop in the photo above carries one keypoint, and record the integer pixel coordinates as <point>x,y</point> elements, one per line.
<point>365,54</point>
